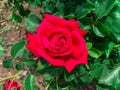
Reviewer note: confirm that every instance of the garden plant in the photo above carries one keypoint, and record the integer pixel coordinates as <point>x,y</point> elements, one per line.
<point>72,44</point>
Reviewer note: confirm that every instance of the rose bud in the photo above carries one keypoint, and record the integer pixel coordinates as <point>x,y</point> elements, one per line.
<point>11,84</point>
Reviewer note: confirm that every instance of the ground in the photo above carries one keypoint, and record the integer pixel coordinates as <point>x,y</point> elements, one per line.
<point>10,33</point>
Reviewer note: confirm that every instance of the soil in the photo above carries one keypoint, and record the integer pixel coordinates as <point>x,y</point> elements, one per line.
<point>12,32</point>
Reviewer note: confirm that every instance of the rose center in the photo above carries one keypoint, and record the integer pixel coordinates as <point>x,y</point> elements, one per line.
<point>59,42</point>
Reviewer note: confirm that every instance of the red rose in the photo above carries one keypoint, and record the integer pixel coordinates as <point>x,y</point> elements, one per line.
<point>11,84</point>
<point>59,41</point>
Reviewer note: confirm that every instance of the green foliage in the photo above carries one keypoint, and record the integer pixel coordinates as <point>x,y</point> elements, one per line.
<point>8,63</point>
<point>111,78</point>
<point>103,7</point>
<point>34,2</point>
<point>1,87</point>
<point>95,53</point>
<point>89,45</point>
<point>17,5</point>
<point>82,11</point>
<point>15,18</point>
<point>19,66</point>
<point>29,62</point>
<point>109,49</point>
<point>100,18</point>
<point>69,77</point>
<point>29,83</point>
<point>113,21</point>
<point>17,49</point>
<point>32,22</point>
<point>2,51</point>
<point>97,70</point>
<point>101,30</point>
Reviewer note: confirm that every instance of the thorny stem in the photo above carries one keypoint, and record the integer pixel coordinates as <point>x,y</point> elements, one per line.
<point>12,76</point>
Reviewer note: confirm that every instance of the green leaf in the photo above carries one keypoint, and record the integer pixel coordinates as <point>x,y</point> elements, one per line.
<point>8,63</point>
<point>34,2</point>
<point>113,21</point>
<point>109,49</point>
<point>70,16</point>
<point>92,2</point>
<point>82,70</point>
<point>85,27</point>
<point>89,45</point>
<point>58,14</point>
<point>47,77</point>
<point>97,32</point>
<point>87,21</point>
<point>19,66</point>
<point>86,78</point>
<point>48,69</point>
<point>2,52</point>
<point>95,53</point>
<point>117,87</point>
<point>103,7</point>
<point>82,11</point>
<point>15,18</point>
<point>100,88</point>
<point>29,82</point>
<point>106,61</point>
<point>32,22</point>
<point>1,48</point>
<point>111,78</point>
<point>103,87</point>
<point>40,66</point>
<point>101,30</point>
<point>97,70</point>
<point>60,6</point>
<point>18,49</point>
<point>29,62</point>
<point>21,1</point>
<point>49,7</point>
<point>69,77</point>
<point>2,87</point>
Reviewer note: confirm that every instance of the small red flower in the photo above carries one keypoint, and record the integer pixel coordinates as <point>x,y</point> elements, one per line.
<point>11,84</point>
<point>59,41</point>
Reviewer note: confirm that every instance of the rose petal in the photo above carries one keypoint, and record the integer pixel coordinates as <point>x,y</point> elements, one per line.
<point>72,24</point>
<point>54,61</point>
<point>53,19</point>
<point>32,44</point>
<point>78,45</point>
<point>29,36</point>
<point>70,64</point>
<point>43,41</point>
<point>82,32</point>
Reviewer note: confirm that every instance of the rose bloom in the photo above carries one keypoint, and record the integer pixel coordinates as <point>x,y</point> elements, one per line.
<point>59,41</point>
<point>11,84</point>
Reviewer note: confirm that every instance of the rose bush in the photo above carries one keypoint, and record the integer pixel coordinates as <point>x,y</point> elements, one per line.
<point>59,41</point>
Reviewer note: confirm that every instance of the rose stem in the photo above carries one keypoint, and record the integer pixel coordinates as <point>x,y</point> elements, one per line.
<point>13,76</point>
